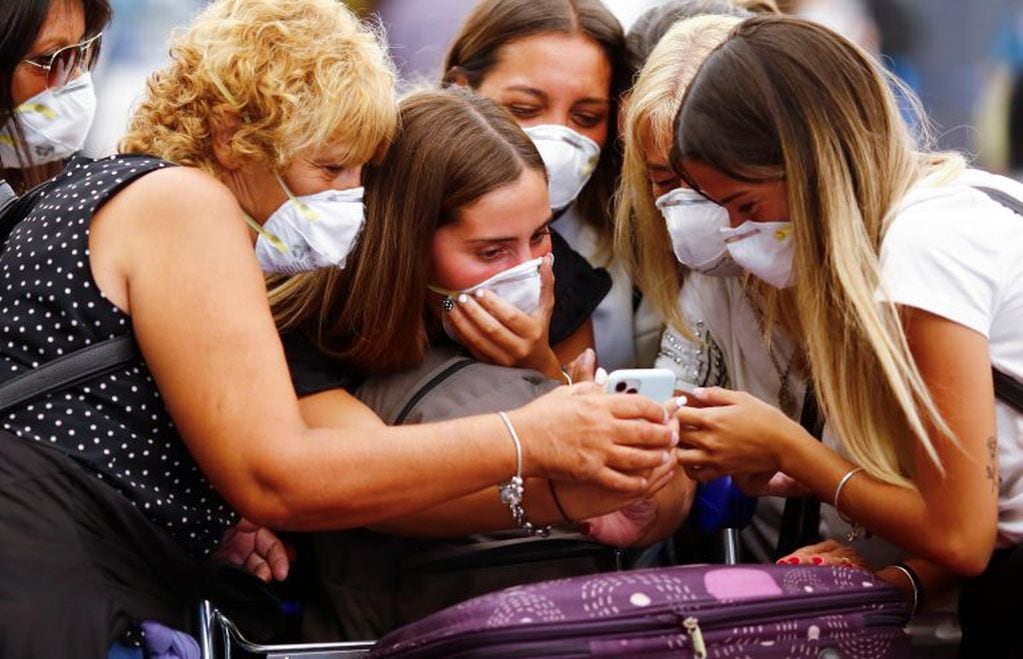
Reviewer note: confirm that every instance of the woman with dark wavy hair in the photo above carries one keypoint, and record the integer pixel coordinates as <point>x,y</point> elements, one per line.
<point>47,49</point>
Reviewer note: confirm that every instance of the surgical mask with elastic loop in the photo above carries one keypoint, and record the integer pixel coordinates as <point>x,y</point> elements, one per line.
<point>694,224</point>
<point>570,159</point>
<point>764,249</point>
<point>54,124</point>
<point>520,286</point>
<point>310,232</point>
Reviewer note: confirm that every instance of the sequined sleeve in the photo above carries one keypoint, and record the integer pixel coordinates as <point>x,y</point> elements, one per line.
<point>698,363</point>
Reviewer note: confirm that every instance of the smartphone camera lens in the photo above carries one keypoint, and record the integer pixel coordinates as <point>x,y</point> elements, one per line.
<point>621,387</point>
<point>632,390</point>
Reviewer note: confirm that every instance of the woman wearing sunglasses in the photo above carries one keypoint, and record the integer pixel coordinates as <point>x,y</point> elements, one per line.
<point>47,103</point>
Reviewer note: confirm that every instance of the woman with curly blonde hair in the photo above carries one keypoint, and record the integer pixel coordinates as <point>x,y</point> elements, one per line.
<point>113,489</point>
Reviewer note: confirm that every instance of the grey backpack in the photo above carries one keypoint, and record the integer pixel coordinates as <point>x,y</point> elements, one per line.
<point>373,582</point>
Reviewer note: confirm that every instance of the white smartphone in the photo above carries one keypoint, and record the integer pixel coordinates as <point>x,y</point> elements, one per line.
<point>655,383</point>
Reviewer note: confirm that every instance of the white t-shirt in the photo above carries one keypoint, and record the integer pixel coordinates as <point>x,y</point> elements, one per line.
<point>624,338</point>
<point>731,352</point>
<point>955,252</point>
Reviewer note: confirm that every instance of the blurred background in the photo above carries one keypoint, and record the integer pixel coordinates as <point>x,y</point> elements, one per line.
<point>963,57</point>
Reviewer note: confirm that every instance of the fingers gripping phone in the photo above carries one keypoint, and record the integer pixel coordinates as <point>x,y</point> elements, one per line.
<point>658,384</point>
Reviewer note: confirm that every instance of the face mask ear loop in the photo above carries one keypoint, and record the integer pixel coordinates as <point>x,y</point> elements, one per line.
<point>277,243</point>
<point>306,212</point>
<point>443,291</point>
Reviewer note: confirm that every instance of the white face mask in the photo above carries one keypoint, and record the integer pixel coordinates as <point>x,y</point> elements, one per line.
<point>54,124</point>
<point>763,249</point>
<point>519,286</point>
<point>695,224</point>
<point>310,232</point>
<point>569,157</point>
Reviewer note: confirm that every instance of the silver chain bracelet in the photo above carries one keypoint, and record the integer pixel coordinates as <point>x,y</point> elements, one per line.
<point>513,491</point>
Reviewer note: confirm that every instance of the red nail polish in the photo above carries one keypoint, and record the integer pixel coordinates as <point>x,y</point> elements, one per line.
<point>794,561</point>
<point>780,561</point>
<point>817,560</point>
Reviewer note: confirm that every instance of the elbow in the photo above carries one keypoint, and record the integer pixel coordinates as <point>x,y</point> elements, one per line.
<point>967,555</point>
<point>267,496</point>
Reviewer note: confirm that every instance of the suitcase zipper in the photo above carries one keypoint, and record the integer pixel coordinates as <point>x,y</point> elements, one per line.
<point>692,626</point>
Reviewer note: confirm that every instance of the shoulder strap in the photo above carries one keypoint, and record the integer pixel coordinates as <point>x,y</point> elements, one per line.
<point>69,370</point>
<point>801,517</point>
<point>453,366</point>
<point>1006,387</point>
<point>14,209</point>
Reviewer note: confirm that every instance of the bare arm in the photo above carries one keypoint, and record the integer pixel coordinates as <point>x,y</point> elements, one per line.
<point>182,266</point>
<point>949,519</point>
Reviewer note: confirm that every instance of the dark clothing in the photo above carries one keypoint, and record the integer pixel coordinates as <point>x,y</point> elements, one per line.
<point>991,608</point>
<point>116,427</point>
<point>312,372</point>
<point>78,562</point>
<point>578,289</point>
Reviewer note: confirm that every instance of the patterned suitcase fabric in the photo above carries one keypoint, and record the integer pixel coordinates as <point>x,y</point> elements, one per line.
<point>687,611</point>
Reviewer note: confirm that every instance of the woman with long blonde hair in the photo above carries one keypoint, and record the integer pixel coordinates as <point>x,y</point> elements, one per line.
<point>896,270</point>
<point>714,330</point>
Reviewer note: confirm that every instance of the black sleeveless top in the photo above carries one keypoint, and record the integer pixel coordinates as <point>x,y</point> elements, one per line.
<point>116,427</point>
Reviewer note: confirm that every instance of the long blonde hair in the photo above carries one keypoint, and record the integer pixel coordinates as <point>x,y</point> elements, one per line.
<point>641,236</point>
<point>788,99</point>
<point>296,74</point>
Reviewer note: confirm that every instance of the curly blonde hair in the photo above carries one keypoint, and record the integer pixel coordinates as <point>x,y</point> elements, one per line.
<point>296,74</point>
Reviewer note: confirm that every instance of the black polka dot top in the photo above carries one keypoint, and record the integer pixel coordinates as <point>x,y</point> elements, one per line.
<point>115,426</point>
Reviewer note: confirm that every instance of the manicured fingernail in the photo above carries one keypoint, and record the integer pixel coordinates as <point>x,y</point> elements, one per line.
<point>480,294</point>
<point>600,377</point>
<point>550,258</point>
<point>463,298</point>
<point>817,560</point>
<point>681,401</point>
<point>780,561</point>
<point>665,458</point>
<point>794,561</point>
<point>674,438</point>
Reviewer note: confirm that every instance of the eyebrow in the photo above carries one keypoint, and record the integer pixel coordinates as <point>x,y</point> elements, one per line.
<point>546,224</point>
<point>730,198</point>
<point>533,91</point>
<point>48,46</point>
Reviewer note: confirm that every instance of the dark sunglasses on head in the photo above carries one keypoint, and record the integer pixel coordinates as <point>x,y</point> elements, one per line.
<point>63,64</point>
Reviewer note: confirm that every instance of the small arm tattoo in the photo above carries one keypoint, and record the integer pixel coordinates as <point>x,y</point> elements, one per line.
<point>992,466</point>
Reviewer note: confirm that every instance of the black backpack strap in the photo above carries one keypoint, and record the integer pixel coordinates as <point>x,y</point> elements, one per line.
<point>14,209</point>
<point>1006,387</point>
<point>75,368</point>
<point>801,517</point>
<point>453,367</point>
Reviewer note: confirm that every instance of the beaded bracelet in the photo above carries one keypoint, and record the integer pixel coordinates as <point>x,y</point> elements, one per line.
<point>513,491</point>
<point>557,504</point>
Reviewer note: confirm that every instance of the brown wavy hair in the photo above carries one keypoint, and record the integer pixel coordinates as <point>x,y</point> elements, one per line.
<point>495,23</point>
<point>454,147</point>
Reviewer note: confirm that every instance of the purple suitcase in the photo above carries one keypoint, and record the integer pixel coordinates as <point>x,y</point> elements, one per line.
<point>686,611</point>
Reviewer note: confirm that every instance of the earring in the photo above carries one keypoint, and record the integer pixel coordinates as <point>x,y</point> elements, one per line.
<point>447,304</point>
